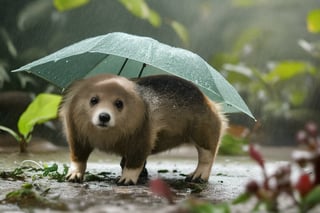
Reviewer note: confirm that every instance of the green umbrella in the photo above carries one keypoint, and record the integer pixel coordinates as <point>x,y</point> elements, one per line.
<point>134,56</point>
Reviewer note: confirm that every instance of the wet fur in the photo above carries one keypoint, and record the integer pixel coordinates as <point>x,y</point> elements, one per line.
<point>159,113</point>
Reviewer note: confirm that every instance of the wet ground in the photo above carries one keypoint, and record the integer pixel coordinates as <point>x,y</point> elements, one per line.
<point>227,181</point>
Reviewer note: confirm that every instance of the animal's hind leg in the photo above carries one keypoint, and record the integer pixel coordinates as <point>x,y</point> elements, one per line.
<point>203,170</point>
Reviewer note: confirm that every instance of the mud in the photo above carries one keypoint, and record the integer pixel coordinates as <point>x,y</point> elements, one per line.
<point>227,181</point>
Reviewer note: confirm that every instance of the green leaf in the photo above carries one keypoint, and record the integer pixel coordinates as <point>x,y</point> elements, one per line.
<point>206,207</point>
<point>47,169</point>
<point>27,186</point>
<point>242,198</point>
<point>11,132</point>
<point>181,31</point>
<point>42,109</point>
<point>288,69</point>
<point>140,9</point>
<point>313,198</point>
<point>238,73</point>
<point>63,5</point>
<point>154,18</point>
<point>297,96</point>
<point>313,21</point>
<point>248,36</point>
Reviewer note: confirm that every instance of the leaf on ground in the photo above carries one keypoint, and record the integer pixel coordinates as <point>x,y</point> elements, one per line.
<point>16,174</point>
<point>28,197</point>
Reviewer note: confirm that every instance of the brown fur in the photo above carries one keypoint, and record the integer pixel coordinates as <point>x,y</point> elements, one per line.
<point>158,113</point>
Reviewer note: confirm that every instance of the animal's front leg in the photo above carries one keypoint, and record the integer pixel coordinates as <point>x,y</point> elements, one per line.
<point>76,171</point>
<point>130,176</point>
<point>79,155</point>
<point>144,171</point>
<point>132,169</point>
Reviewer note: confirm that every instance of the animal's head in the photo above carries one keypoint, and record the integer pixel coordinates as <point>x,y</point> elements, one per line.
<point>108,102</point>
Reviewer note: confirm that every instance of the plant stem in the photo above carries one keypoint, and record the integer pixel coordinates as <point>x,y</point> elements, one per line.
<point>23,146</point>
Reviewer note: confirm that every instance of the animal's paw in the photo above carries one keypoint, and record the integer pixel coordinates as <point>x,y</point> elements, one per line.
<point>76,172</point>
<point>129,176</point>
<point>75,177</point>
<point>191,179</point>
<point>124,182</point>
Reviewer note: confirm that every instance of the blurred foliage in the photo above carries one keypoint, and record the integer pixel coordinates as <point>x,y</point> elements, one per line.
<point>140,9</point>
<point>181,31</point>
<point>42,109</point>
<point>313,21</point>
<point>276,90</point>
<point>63,5</point>
<point>232,145</point>
<point>283,90</point>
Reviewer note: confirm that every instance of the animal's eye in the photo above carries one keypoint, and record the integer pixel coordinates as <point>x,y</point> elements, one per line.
<point>94,100</point>
<point>119,104</point>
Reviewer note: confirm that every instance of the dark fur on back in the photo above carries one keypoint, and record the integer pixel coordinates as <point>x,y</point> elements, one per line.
<point>176,89</point>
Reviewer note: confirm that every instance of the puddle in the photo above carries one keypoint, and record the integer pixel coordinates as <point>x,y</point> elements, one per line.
<point>228,178</point>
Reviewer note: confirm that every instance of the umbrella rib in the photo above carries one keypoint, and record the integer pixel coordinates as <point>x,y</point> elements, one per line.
<point>142,68</point>
<point>123,65</point>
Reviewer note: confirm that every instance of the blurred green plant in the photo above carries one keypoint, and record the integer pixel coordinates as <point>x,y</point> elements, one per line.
<point>232,145</point>
<point>276,90</point>
<point>313,21</point>
<point>63,5</point>
<point>138,8</point>
<point>43,108</point>
<point>281,89</point>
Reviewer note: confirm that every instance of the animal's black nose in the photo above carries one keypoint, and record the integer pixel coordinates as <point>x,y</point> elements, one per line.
<point>104,117</point>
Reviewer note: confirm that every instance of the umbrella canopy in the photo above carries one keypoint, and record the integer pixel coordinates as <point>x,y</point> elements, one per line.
<point>134,56</point>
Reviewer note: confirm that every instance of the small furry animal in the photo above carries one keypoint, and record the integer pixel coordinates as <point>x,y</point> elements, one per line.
<point>136,118</point>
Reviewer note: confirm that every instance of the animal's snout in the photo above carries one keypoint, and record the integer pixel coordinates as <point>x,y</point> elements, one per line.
<point>104,117</point>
